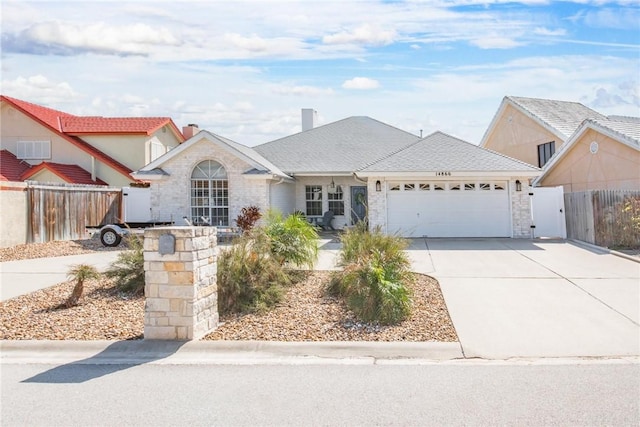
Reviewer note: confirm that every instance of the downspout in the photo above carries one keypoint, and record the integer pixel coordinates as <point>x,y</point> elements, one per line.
<point>93,169</point>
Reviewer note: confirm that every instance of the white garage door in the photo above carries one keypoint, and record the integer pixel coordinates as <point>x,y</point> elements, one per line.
<point>449,209</point>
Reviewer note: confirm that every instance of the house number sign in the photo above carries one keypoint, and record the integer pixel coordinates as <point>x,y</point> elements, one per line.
<point>443,173</point>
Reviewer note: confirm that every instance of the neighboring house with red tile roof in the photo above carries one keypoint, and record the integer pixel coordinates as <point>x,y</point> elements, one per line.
<point>53,172</point>
<point>11,168</point>
<point>107,149</point>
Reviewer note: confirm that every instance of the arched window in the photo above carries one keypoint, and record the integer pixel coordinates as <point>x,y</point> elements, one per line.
<point>209,194</point>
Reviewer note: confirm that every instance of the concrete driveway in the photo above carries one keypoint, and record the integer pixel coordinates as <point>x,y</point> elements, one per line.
<point>26,276</point>
<point>521,298</point>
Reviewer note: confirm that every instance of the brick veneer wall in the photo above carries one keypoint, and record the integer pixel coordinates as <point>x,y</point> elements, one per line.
<point>181,287</point>
<point>170,197</point>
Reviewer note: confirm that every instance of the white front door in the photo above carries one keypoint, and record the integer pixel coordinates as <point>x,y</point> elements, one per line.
<point>449,209</point>
<point>547,209</point>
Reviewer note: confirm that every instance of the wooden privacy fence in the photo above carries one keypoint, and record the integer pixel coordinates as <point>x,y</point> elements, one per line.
<point>61,212</point>
<point>608,218</point>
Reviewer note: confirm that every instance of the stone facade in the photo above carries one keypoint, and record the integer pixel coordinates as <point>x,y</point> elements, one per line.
<point>180,282</point>
<point>520,209</point>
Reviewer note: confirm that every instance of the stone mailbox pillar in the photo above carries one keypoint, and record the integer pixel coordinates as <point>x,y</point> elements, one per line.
<point>180,283</point>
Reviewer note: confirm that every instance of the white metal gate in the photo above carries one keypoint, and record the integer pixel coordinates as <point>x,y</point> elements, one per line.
<point>547,211</point>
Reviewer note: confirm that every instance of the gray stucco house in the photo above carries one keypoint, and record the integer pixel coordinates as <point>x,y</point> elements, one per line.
<point>437,186</point>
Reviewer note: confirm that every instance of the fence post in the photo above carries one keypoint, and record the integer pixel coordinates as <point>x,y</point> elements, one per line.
<point>181,298</point>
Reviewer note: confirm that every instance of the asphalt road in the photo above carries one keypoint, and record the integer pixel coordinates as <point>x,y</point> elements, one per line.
<point>395,393</point>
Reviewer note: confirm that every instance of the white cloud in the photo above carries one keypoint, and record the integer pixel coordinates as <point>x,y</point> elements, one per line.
<point>626,19</point>
<point>365,34</point>
<point>362,83</point>
<point>39,88</point>
<point>66,38</point>
<point>543,31</point>
<point>311,91</point>
<point>253,43</point>
<point>495,42</point>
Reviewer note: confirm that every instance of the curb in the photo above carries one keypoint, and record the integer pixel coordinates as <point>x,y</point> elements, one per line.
<point>224,352</point>
<point>604,250</point>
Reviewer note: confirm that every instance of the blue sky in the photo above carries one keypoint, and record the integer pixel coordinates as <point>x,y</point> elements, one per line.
<point>244,69</point>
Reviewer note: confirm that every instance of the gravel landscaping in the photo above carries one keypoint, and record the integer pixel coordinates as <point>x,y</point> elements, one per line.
<point>305,314</point>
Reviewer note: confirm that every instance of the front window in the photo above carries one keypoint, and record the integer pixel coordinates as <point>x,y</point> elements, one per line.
<point>313,197</point>
<point>545,151</point>
<point>336,201</point>
<point>209,194</point>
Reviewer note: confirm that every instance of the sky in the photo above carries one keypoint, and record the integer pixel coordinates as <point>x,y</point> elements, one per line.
<point>245,69</point>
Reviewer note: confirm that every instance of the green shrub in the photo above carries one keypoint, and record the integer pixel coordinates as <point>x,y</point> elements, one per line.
<point>293,240</point>
<point>249,277</point>
<point>376,276</point>
<point>128,268</point>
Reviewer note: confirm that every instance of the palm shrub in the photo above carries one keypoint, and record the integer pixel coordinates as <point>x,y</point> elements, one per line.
<point>128,268</point>
<point>80,273</point>
<point>293,239</point>
<point>249,278</point>
<point>376,276</point>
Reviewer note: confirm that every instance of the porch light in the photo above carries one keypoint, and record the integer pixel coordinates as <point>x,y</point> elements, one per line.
<point>518,185</point>
<point>378,185</point>
<point>332,187</point>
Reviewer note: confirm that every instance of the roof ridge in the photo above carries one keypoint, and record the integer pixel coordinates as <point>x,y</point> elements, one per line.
<point>333,123</point>
<point>601,124</point>
<point>484,148</point>
<point>392,153</point>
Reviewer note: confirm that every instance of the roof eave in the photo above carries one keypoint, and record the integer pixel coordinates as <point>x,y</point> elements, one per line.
<point>451,174</point>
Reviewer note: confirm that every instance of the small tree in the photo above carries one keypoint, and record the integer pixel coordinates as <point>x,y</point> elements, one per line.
<point>80,273</point>
<point>248,217</point>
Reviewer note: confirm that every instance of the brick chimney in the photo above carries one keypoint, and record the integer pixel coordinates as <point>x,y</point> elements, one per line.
<point>309,116</point>
<point>189,130</point>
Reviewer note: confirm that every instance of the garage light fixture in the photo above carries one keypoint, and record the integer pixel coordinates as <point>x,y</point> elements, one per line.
<point>518,185</point>
<point>378,185</point>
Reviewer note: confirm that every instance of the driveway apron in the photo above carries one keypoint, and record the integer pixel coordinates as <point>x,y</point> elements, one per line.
<point>512,298</point>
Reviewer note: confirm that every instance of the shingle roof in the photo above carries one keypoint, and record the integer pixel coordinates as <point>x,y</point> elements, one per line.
<point>11,168</point>
<point>339,147</point>
<point>627,128</point>
<point>442,152</point>
<point>562,116</point>
<point>72,174</point>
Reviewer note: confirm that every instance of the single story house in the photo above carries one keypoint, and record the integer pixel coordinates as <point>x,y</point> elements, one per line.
<point>358,167</point>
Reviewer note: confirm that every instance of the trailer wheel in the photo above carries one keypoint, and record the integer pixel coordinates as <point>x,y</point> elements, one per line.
<point>109,237</point>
